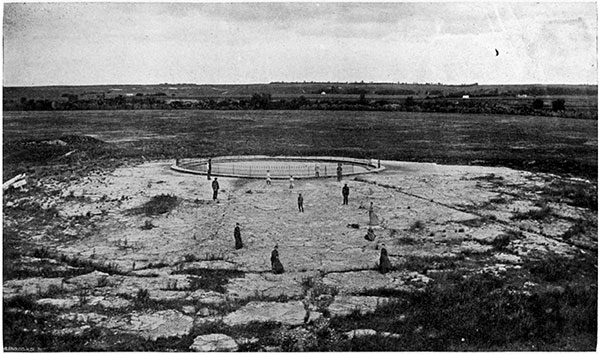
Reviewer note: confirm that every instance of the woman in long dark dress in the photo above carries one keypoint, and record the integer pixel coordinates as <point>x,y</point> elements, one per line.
<point>276,265</point>
<point>384,262</point>
<point>238,237</point>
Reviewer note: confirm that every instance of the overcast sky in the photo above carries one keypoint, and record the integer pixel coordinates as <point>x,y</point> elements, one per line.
<point>148,43</point>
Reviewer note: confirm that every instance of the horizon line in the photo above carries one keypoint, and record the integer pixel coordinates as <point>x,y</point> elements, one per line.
<point>306,82</point>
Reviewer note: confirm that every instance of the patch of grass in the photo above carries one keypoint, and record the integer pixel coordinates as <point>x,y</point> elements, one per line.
<point>578,194</point>
<point>87,266</point>
<point>489,177</point>
<point>557,268</point>
<point>406,241</point>
<point>423,264</point>
<point>542,213</point>
<point>210,279</point>
<point>498,200</point>
<point>158,204</point>
<point>480,311</point>
<point>579,228</point>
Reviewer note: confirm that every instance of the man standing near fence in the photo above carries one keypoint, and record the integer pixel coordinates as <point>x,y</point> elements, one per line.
<point>345,193</point>
<point>268,177</point>
<point>208,168</point>
<point>215,188</point>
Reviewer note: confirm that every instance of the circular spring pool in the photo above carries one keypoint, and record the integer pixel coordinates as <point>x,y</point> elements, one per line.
<point>280,167</point>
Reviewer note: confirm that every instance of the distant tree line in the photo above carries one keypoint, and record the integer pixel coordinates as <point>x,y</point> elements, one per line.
<point>264,101</point>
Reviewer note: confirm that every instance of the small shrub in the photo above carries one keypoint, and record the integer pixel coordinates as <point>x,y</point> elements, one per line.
<point>190,258</point>
<point>41,253</point>
<point>501,241</point>
<point>417,225</point>
<point>142,296</point>
<point>558,105</point>
<point>538,103</point>
<point>534,214</point>
<point>159,204</point>
<point>148,225</point>
<point>498,200</point>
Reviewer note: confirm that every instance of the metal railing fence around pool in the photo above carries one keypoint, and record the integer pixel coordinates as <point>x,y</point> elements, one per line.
<point>281,167</point>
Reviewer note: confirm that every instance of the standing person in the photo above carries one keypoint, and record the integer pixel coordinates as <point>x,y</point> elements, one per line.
<point>316,170</point>
<point>291,182</point>
<point>276,265</point>
<point>300,203</point>
<point>268,177</point>
<point>373,219</point>
<point>339,171</point>
<point>215,187</point>
<point>345,193</point>
<point>237,235</point>
<point>208,168</point>
<point>384,262</point>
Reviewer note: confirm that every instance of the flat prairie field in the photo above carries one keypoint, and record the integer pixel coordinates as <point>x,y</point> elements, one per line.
<point>548,144</point>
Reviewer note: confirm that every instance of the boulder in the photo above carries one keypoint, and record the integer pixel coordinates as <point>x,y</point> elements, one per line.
<point>62,303</point>
<point>89,280</point>
<point>214,343</point>
<point>357,333</point>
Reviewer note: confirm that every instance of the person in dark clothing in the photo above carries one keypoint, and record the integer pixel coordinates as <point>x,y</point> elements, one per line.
<point>300,203</point>
<point>238,236</point>
<point>384,262</point>
<point>215,187</point>
<point>276,265</point>
<point>345,193</point>
<point>370,236</point>
<point>339,172</point>
<point>208,168</point>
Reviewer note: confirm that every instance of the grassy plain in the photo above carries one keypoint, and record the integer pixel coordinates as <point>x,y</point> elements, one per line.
<point>454,312</point>
<point>548,144</point>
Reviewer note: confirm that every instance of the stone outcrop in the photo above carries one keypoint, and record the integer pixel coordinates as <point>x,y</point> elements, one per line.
<point>167,323</point>
<point>290,313</point>
<point>214,343</point>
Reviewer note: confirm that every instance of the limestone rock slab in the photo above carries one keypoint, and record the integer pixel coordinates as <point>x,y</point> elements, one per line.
<point>32,286</point>
<point>89,280</point>
<point>167,323</point>
<point>265,285</point>
<point>216,342</point>
<point>289,313</point>
<point>62,303</point>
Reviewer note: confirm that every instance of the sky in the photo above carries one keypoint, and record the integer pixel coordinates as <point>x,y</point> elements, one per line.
<point>228,43</point>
